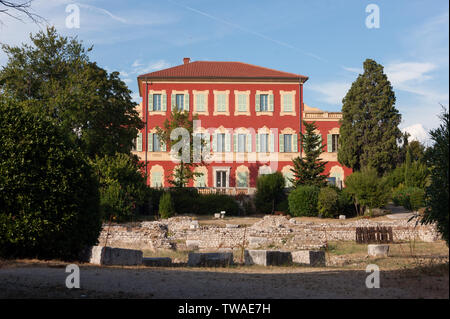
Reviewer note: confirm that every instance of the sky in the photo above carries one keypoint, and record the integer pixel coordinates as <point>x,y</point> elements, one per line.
<point>326,40</point>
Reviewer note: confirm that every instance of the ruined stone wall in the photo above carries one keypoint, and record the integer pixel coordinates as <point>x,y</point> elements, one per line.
<point>269,232</point>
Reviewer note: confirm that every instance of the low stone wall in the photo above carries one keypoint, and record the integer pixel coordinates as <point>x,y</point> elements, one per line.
<point>270,231</point>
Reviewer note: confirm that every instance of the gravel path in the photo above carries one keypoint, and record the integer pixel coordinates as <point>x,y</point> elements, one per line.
<point>242,282</point>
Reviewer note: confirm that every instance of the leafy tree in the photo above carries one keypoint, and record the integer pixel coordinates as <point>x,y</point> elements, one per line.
<point>367,189</point>
<point>122,185</point>
<point>328,202</point>
<point>49,200</point>
<point>308,170</point>
<point>437,193</point>
<point>369,132</point>
<point>269,192</point>
<point>55,77</point>
<point>184,172</point>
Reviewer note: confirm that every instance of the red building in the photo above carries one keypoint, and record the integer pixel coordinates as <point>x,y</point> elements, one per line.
<point>249,116</point>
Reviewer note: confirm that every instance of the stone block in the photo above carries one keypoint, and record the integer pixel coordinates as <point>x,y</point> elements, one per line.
<point>257,241</point>
<point>309,257</point>
<point>342,217</point>
<point>192,244</point>
<point>194,224</point>
<point>217,215</point>
<point>210,259</point>
<point>267,257</point>
<point>378,250</point>
<point>157,261</point>
<point>101,255</point>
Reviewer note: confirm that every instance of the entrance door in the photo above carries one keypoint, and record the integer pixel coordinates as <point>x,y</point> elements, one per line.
<point>221,178</point>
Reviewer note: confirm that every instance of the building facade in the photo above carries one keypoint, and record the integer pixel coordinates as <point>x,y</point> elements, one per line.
<point>248,116</point>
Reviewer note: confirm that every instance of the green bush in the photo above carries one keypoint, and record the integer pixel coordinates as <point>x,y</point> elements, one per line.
<point>210,204</point>
<point>328,202</point>
<point>367,189</point>
<point>185,200</point>
<point>346,205</point>
<point>49,195</point>
<point>122,186</point>
<point>303,201</point>
<point>166,208</point>
<point>412,198</point>
<point>269,192</point>
<point>151,202</point>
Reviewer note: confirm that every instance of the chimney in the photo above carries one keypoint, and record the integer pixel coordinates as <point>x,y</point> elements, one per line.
<point>186,60</point>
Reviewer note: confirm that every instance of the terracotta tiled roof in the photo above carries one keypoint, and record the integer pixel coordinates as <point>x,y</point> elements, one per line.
<point>221,70</point>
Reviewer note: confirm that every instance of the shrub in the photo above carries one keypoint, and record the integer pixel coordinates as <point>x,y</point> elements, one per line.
<point>269,192</point>
<point>412,198</point>
<point>346,205</point>
<point>303,201</point>
<point>185,200</point>
<point>328,202</point>
<point>210,204</point>
<point>166,208</point>
<point>122,185</point>
<point>367,189</point>
<point>49,195</point>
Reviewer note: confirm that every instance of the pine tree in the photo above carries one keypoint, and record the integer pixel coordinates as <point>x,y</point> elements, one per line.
<point>369,132</point>
<point>309,169</point>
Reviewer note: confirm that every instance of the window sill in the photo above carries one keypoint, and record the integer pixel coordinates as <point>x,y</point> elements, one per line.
<point>269,113</point>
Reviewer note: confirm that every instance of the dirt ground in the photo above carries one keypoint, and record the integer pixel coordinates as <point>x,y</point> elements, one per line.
<point>411,272</point>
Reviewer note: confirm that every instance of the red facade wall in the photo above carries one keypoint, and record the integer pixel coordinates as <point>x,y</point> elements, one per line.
<point>231,121</point>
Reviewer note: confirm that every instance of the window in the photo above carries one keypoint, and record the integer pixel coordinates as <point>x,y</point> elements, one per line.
<point>180,102</point>
<point>242,179</point>
<point>334,142</point>
<point>200,181</point>
<point>221,142</point>
<point>264,102</point>
<point>288,177</point>
<point>156,102</point>
<point>221,179</point>
<point>221,103</point>
<point>156,143</point>
<point>287,143</point>
<point>201,102</point>
<point>157,179</point>
<point>242,102</point>
<point>241,143</point>
<point>264,143</point>
<point>287,103</point>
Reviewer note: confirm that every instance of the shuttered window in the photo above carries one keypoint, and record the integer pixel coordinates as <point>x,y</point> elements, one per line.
<point>242,179</point>
<point>221,102</point>
<point>242,102</point>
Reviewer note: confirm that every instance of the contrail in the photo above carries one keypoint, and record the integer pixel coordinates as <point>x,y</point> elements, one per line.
<point>263,36</point>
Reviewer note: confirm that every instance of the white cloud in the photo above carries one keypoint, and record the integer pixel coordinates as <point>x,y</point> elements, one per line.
<point>418,133</point>
<point>331,92</point>
<point>152,66</point>
<point>400,73</point>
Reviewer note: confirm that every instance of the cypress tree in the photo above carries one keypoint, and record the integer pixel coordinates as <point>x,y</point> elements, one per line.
<point>309,169</point>
<point>369,132</point>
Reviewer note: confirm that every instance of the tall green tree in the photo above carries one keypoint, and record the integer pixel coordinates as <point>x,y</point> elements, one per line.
<point>181,126</point>
<point>53,76</point>
<point>308,170</point>
<point>437,194</point>
<point>369,133</point>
